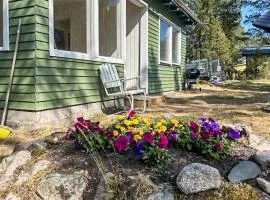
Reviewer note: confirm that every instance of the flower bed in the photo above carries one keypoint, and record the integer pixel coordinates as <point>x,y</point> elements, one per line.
<point>149,137</point>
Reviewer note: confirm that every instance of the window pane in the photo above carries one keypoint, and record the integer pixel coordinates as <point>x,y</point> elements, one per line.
<point>1,23</point>
<point>164,41</point>
<point>175,46</point>
<point>70,25</point>
<point>108,39</point>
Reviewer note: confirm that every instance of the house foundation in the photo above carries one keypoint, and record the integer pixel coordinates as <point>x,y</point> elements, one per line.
<point>60,117</point>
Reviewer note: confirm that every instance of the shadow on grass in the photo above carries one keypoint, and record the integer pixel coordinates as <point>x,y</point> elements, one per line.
<point>262,87</point>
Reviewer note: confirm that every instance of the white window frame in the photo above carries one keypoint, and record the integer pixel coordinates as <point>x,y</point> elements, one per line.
<point>171,26</point>
<point>5,27</point>
<point>92,38</point>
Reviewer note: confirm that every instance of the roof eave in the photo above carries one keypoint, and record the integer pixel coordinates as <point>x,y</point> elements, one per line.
<point>186,11</point>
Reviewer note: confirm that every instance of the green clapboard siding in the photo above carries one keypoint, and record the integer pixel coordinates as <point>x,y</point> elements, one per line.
<point>63,82</point>
<point>163,78</point>
<point>23,90</point>
<point>43,82</point>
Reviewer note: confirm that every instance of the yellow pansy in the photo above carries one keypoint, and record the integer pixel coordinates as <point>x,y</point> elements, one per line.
<point>119,117</point>
<point>163,128</point>
<point>145,120</point>
<point>135,121</point>
<point>159,124</point>
<point>137,138</point>
<point>115,133</point>
<point>123,129</point>
<point>117,126</point>
<point>127,122</point>
<point>131,128</point>
<point>151,116</point>
<point>140,132</point>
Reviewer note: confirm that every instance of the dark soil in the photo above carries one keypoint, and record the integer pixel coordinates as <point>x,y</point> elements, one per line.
<point>68,160</point>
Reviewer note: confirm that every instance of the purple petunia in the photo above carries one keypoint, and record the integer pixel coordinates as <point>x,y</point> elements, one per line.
<point>138,151</point>
<point>206,126</point>
<point>202,119</point>
<point>129,137</point>
<point>174,137</point>
<point>233,134</point>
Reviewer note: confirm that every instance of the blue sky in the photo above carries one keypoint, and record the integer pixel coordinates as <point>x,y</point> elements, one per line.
<point>245,11</point>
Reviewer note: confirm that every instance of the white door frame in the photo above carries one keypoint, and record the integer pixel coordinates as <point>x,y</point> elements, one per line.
<point>143,43</point>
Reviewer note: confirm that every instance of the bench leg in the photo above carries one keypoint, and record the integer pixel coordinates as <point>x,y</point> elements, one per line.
<point>144,102</point>
<point>131,101</point>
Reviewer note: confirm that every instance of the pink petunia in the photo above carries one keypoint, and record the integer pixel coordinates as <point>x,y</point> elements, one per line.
<point>194,126</point>
<point>131,114</point>
<point>163,142</point>
<point>148,138</point>
<point>121,144</point>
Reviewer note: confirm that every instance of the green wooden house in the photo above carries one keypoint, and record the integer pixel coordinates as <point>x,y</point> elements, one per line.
<point>63,43</point>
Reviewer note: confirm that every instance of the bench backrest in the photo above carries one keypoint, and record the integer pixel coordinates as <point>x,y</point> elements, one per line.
<point>110,79</point>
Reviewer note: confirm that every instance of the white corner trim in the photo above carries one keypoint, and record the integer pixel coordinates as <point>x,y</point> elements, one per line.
<point>5,27</point>
<point>144,48</point>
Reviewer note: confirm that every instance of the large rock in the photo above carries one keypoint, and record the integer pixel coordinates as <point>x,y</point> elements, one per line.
<point>263,158</point>
<point>9,165</point>
<point>243,171</point>
<point>264,146</point>
<point>255,140</point>
<point>198,177</point>
<point>161,194</point>
<point>62,187</point>
<point>39,166</point>
<point>12,197</point>
<point>264,185</point>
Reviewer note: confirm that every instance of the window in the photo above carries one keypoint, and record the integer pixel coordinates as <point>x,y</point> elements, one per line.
<point>165,33</point>
<point>70,25</point>
<point>170,38</point>
<point>4,33</point>
<point>84,29</point>
<point>108,38</point>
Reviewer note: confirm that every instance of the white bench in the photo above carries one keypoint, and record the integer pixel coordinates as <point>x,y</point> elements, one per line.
<point>114,86</point>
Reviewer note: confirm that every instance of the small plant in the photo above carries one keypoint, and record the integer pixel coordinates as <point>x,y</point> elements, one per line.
<point>155,157</point>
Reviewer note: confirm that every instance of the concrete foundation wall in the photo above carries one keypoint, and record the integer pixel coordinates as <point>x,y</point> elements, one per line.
<point>60,117</point>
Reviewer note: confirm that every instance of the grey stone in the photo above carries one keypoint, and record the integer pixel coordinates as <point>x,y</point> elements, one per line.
<point>264,146</point>
<point>263,158</point>
<point>9,165</point>
<point>62,187</point>
<point>264,185</point>
<point>255,140</point>
<point>198,177</point>
<point>33,145</point>
<point>12,197</point>
<point>161,194</point>
<point>102,189</point>
<point>39,166</point>
<point>243,171</point>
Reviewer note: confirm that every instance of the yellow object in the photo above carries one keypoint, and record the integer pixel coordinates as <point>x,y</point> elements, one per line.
<point>4,133</point>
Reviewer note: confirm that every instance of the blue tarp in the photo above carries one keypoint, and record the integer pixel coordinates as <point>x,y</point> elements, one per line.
<point>256,50</point>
